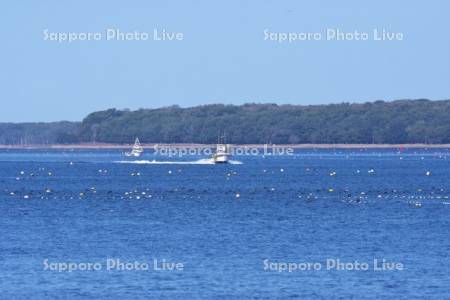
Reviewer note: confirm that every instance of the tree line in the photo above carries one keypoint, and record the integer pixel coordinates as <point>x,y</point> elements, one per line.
<point>396,122</point>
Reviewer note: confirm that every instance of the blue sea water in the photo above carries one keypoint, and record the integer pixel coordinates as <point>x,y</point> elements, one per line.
<point>232,227</point>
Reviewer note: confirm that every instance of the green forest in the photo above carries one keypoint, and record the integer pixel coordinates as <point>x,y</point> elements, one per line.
<point>396,122</point>
<point>39,133</point>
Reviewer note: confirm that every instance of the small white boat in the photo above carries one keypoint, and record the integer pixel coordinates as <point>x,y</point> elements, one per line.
<point>137,149</point>
<point>222,153</point>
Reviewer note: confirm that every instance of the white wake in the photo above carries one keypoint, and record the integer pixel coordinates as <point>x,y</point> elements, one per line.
<point>205,161</point>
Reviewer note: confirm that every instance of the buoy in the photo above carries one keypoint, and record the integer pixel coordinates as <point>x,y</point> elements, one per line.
<point>428,173</point>
<point>238,195</point>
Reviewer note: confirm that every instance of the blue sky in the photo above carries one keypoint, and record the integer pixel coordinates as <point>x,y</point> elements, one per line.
<point>223,57</point>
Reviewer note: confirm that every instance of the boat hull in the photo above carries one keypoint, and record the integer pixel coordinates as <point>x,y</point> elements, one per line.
<point>137,149</point>
<point>132,154</point>
<point>220,159</point>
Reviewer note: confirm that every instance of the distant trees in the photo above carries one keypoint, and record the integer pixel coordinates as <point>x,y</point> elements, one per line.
<point>403,121</point>
<point>39,133</point>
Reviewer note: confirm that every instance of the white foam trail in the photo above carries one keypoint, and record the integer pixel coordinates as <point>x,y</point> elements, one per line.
<point>235,162</point>
<point>205,161</point>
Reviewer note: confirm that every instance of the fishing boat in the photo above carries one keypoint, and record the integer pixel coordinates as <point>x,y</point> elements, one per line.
<point>222,153</point>
<point>137,149</point>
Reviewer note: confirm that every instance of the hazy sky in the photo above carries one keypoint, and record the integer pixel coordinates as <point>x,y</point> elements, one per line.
<point>223,56</point>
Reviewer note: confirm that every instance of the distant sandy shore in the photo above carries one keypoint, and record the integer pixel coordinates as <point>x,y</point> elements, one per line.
<point>295,146</point>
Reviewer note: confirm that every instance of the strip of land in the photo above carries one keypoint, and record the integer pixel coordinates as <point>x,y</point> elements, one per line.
<point>294,146</point>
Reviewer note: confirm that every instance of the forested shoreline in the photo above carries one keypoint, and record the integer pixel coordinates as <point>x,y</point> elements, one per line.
<point>396,122</point>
